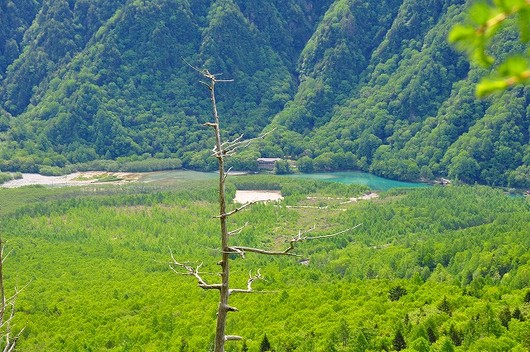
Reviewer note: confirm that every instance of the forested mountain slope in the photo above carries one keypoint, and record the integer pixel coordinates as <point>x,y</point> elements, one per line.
<point>347,84</point>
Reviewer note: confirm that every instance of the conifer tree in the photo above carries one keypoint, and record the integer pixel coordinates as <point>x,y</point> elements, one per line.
<point>396,292</point>
<point>399,341</point>
<point>505,316</point>
<point>265,344</point>
<point>455,335</point>
<point>361,343</point>
<point>183,345</point>
<point>244,348</point>
<point>444,306</point>
<point>517,314</point>
<point>431,334</point>
<point>344,333</point>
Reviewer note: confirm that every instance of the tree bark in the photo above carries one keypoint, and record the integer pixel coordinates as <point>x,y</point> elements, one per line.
<point>223,308</point>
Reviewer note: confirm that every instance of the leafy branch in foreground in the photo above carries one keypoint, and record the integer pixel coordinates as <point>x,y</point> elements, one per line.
<point>484,21</point>
<point>220,151</point>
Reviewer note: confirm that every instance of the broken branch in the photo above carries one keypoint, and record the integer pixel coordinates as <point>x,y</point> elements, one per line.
<point>299,238</point>
<point>193,271</point>
<point>251,279</point>
<point>230,213</point>
<point>238,230</point>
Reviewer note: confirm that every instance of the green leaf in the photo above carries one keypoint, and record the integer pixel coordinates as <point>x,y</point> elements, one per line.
<point>480,13</point>
<point>489,86</point>
<point>461,33</point>
<point>508,6</point>
<point>513,66</point>
<point>523,20</point>
<point>465,39</point>
<point>479,54</point>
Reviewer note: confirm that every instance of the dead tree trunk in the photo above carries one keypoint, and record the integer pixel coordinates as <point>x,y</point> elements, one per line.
<point>223,308</point>
<point>7,310</point>
<point>221,151</point>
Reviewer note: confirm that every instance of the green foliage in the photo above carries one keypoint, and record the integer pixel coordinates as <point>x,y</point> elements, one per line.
<point>305,164</point>
<point>464,168</point>
<point>96,260</point>
<point>282,167</point>
<point>447,346</point>
<point>51,171</point>
<point>505,316</point>
<point>420,344</point>
<point>486,19</point>
<point>244,348</point>
<point>455,335</point>
<point>444,306</point>
<point>517,314</point>
<point>15,18</point>
<point>6,176</point>
<point>129,91</point>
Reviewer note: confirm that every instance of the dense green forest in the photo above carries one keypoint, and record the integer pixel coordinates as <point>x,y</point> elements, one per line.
<point>338,84</point>
<point>347,84</point>
<point>431,269</point>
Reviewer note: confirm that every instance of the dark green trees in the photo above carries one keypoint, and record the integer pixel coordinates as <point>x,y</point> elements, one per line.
<point>282,167</point>
<point>265,345</point>
<point>396,292</point>
<point>399,341</point>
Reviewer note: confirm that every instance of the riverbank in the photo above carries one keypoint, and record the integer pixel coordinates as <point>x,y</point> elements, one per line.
<point>75,179</point>
<point>176,176</point>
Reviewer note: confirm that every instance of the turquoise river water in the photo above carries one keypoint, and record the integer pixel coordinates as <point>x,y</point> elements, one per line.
<point>346,177</point>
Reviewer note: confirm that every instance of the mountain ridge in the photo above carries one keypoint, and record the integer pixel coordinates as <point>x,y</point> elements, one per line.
<point>346,84</point>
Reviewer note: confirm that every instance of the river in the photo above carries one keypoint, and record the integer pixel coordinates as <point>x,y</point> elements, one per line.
<point>346,177</point>
<point>362,178</point>
<point>171,177</point>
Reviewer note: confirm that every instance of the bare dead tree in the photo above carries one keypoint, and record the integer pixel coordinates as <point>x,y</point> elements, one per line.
<point>7,309</point>
<point>220,151</point>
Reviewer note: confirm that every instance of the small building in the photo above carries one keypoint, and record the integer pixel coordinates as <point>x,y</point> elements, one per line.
<point>267,163</point>
<point>304,262</point>
<point>442,181</point>
<point>445,181</point>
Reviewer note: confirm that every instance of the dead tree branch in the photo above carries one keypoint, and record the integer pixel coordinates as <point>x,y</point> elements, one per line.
<point>193,271</point>
<point>251,279</point>
<point>241,250</point>
<point>7,306</point>
<point>238,230</point>
<point>230,213</point>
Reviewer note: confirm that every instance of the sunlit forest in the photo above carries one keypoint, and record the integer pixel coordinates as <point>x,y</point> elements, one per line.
<point>430,269</point>
<point>319,86</point>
